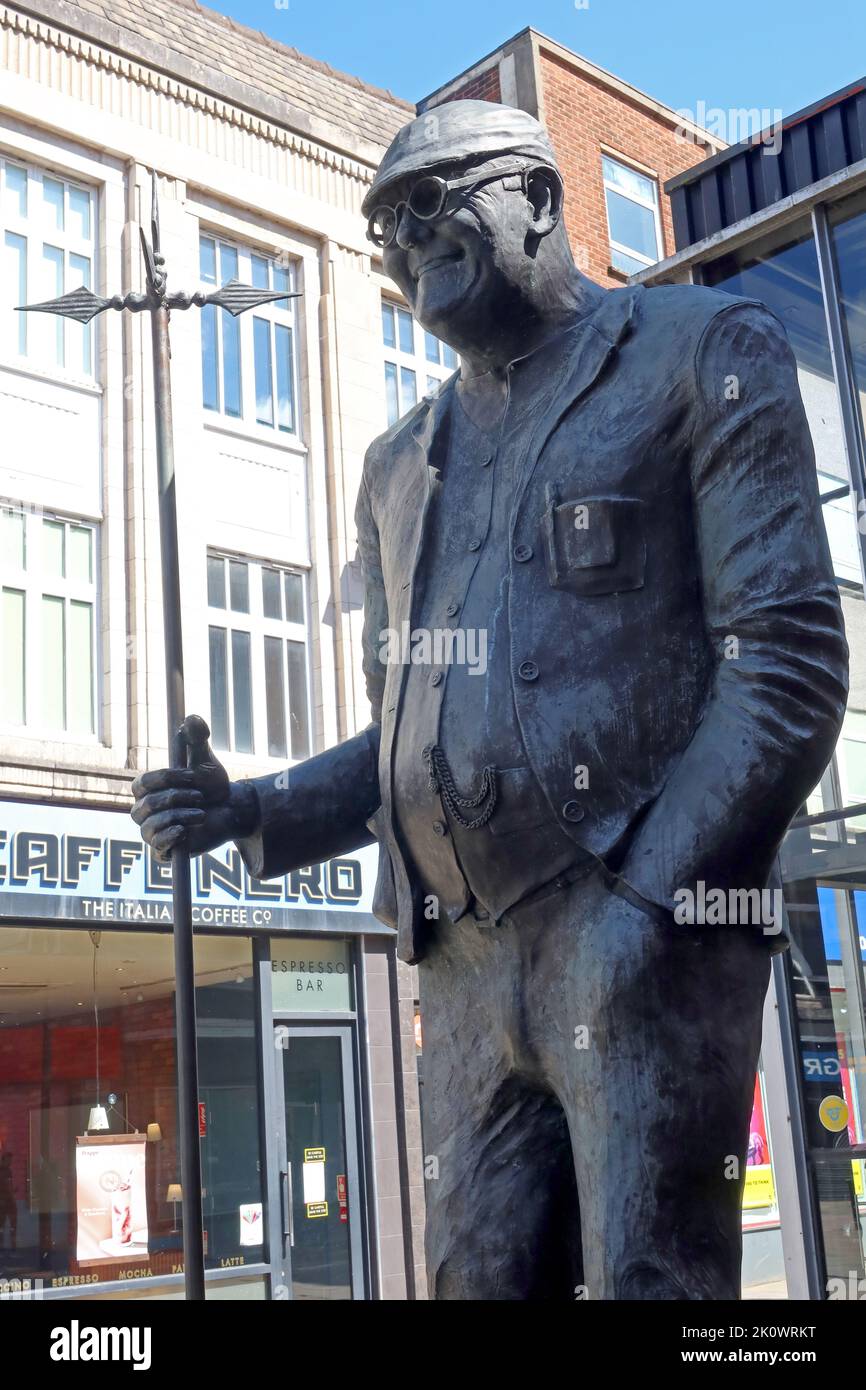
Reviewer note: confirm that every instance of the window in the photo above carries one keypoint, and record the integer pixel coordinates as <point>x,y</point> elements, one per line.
<point>411,356</point>
<point>258,658</point>
<point>632,202</point>
<point>249,364</point>
<point>781,271</point>
<point>48,248</point>
<point>88,1020</point>
<point>851,756</point>
<point>847,222</point>
<point>47,623</point>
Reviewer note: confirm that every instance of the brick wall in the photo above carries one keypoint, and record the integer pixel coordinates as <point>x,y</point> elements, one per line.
<point>582,116</point>
<point>484,86</point>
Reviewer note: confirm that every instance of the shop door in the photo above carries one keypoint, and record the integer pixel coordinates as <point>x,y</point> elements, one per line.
<point>317,1143</point>
<point>825,971</point>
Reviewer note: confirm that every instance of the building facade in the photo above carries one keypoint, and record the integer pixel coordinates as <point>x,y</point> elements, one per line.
<point>309,1122</point>
<point>781,218</point>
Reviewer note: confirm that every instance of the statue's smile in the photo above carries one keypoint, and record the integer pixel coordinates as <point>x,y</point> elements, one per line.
<point>437,261</point>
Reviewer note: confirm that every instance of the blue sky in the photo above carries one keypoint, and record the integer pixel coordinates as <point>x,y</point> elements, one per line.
<point>780,55</point>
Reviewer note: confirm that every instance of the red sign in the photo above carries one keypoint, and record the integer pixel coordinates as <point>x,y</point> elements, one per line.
<point>845,1068</point>
<point>759,1149</point>
<point>202,1120</point>
<point>342,1196</point>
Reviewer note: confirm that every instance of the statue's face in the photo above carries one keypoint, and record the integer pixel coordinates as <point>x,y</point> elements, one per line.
<point>461,271</point>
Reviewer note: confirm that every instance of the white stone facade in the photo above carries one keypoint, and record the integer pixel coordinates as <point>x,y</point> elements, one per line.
<point>98,95</point>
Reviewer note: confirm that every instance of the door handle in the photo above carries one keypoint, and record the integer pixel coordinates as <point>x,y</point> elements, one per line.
<point>286,1201</point>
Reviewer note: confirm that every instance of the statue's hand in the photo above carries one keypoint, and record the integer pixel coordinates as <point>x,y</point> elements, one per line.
<point>196,807</point>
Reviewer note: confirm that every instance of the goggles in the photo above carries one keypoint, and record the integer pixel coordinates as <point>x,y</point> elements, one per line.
<point>427,200</point>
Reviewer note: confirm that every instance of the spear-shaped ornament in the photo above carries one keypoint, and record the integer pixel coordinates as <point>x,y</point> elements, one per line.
<point>82,305</point>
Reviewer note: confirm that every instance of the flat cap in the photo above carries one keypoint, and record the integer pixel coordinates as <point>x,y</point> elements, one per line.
<point>459,130</point>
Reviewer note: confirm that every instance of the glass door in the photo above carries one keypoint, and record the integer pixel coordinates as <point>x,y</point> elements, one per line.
<point>317,1158</point>
<point>823,860</point>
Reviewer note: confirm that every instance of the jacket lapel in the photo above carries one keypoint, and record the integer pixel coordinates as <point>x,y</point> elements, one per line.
<point>426,428</point>
<point>592,345</point>
<point>428,440</point>
<point>428,436</point>
<point>429,432</point>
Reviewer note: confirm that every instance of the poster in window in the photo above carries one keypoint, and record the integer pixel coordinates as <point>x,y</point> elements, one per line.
<point>759,1190</point>
<point>111,1199</point>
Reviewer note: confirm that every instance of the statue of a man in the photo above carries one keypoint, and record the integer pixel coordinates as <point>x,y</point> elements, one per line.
<point>626,671</point>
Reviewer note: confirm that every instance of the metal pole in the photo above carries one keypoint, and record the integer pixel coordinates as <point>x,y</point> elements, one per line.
<point>184,967</point>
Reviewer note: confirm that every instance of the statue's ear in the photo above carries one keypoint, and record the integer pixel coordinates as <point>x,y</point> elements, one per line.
<point>544,191</point>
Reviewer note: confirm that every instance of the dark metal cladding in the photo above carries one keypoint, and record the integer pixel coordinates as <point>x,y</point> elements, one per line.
<point>809,146</point>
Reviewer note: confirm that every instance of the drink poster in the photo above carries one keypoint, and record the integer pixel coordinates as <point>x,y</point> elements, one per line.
<point>111,1198</point>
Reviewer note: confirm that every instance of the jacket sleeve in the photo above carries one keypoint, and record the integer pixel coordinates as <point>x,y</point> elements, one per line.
<point>320,808</point>
<point>375,601</point>
<point>772,614</point>
<point>316,810</point>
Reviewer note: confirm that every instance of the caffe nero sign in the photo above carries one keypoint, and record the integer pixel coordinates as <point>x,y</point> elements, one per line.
<point>93,866</point>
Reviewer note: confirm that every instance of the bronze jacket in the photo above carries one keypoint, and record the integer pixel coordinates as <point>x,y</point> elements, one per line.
<point>684,643</point>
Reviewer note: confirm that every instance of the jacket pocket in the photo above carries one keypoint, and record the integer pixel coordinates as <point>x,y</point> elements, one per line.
<point>520,802</point>
<point>594,545</point>
<point>384,894</point>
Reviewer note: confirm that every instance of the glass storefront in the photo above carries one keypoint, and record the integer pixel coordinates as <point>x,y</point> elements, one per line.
<point>89,1170</point>
<point>812,274</point>
<point>91,1198</point>
<point>824,865</point>
<point>782,272</point>
<point>847,223</point>
<point>763,1262</point>
<point>91,1202</point>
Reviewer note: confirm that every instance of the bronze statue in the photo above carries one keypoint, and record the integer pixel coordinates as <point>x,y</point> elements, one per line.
<point>626,670</point>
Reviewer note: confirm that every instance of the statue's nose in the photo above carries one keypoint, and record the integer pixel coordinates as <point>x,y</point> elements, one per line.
<point>410,229</point>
